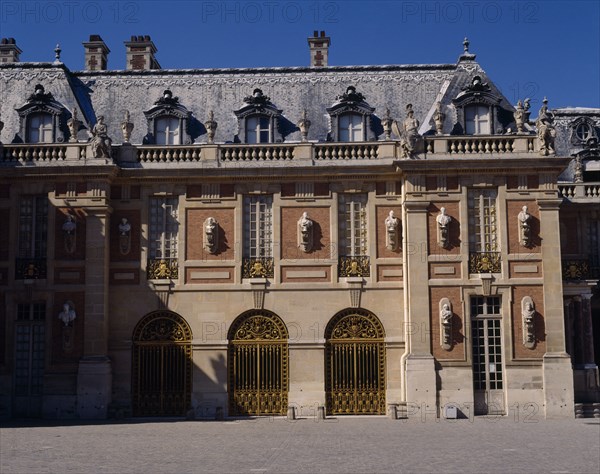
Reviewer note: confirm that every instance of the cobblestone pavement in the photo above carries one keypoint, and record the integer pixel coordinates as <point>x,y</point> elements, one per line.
<point>268,445</point>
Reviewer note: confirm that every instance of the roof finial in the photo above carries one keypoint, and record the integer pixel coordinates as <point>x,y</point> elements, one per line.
<point>57,52</point>
<point>466,44</point>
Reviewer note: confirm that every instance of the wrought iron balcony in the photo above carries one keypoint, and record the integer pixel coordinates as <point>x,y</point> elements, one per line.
<point>357,266</point>
<point>162,269</point>
<point>485,262</point>
<point>30,269</point>
<point>257,267</point>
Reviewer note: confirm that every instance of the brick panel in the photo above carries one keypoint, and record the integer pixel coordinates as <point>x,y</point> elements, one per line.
<point>58,355</point>
<point>133,216</point>
<point>452,209</point>
<point>512,211</point>
<point>381,214</point>
<point>321,235</point>
<point>60,252</point>
<point>457,351</point>
<point>194,234</point>
<point>537,295</point>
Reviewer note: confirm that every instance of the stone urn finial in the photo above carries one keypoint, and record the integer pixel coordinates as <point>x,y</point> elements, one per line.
<point>211,127</point>
<point>387,124</point>
<point>304,126</point>
<point>126,127</point>
<point>73,123</point>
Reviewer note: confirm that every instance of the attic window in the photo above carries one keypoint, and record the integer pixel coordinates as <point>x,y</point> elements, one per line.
<point>40,128</point>
<point>167,130</point>
<point>351,128</point>
<point>350,117</point>
<point>477,120</point>
<point>258,129</point>
<point>583,131</point>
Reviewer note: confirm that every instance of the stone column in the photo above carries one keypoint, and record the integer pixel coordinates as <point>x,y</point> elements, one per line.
<point>420,368</point>
<point>94,377</point>
<point>557,371</point>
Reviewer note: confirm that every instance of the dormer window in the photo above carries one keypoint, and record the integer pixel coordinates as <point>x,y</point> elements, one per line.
<point>351,128</point>
<point>582,130</point>
<point>351,117</point>
<point>40,128</point>
<point>42,119</point>
<point>168,122</point>
<point>478,110</point>
<point>258,120</point>
<point>167,130</point>
<point>477,120</point>
<point>258,129</point>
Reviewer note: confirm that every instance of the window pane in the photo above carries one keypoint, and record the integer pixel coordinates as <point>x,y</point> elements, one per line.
<point>350,128</point>
<point>39,128</point>
<point>258,226</point>
<point>352,224</point>
<point>167,131</point>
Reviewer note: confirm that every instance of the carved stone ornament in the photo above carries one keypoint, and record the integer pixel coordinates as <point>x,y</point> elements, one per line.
<point>304,125</point>
<point>438,118</point>
<point>211,127</point>
<point>211,235</point>
<point>387,124</point>
<point>126,127</point>
<point>101,143</point>
<point>443,228</point>
<point>524,219</point>
<point>546,132</point>
<point>446,316</point>
<point>305,233</point>
<point>392,232</point>
<point>67,316</point>
<point>69,229</point>
<point>409,133</point>
<point>528,321</point>
<point>521,115</point>
<point>73,123</point>
<point>124,236</point>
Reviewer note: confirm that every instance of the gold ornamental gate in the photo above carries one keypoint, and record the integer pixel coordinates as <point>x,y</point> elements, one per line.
<point>355,365</point>
<point>258,364</point>
<point>162,365</point>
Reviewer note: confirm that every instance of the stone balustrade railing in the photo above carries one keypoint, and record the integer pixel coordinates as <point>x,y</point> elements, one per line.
<point>346,151</point>
<point>435,147</point>
<point>256,152</point>
<point>166,154</point>
<point>580,192</point>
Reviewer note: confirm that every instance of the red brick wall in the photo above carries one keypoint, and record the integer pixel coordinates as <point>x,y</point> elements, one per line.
<point>58,355</point>
<point>134,218</point>
<point>381,214</point>
<point>59,245</point>
<point>195,234</point>
<point>321,234</point>
<point>452,210</point>
<point>537,295</point>
<point>457,351</point>
<point>512,211</point>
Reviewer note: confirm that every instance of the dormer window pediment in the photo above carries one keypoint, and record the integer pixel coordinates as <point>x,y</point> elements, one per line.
<point>168,122</point>
<point>258,119</point>
<point>350,117</point>
<point>42,119</point>
<point>477,108</point>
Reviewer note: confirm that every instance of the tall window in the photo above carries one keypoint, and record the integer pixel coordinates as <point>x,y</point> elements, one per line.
<point>351,128</point>
<point>33,227</point>
<point>39,128</point>
<point>258,129</point>
<point>353,224</point>
<point>29,349</point>
<point>483,235</point>
<point>164,227</point>
<point>258,226</point>
<point>477,120</point>
<point>167,131</point>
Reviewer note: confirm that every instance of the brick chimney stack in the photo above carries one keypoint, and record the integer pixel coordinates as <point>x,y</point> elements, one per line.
<point>96,54</point>
<point>140,53</point>
<point>9,51</point>
<point>319,49</point>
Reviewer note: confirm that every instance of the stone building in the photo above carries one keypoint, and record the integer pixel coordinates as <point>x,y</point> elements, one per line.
<point>229,242</point>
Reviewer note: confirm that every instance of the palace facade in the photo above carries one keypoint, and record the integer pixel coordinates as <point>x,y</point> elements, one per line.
<point>228,242</point>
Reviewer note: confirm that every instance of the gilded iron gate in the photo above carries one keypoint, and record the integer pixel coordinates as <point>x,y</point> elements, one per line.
<point>355,365</point>
<point>258,364</point>
<point>162,365</point>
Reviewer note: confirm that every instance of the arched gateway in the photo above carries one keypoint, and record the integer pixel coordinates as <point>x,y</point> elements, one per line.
<point>258,364</point>
<point>162,365</point>
<point>355,364</point>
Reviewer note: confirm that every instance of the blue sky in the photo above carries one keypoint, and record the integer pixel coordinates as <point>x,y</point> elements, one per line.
<point>528,48</point>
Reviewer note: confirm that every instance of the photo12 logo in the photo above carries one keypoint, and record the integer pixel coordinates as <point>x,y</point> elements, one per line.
<point>68,12</point>
<point>269,12</point>
<point>469,12</point>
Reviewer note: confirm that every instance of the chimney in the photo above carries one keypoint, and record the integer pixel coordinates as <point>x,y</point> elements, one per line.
<point>9,51</point>
<point>140,53</point>
<point>319,49</point>
<point>96,54</point>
